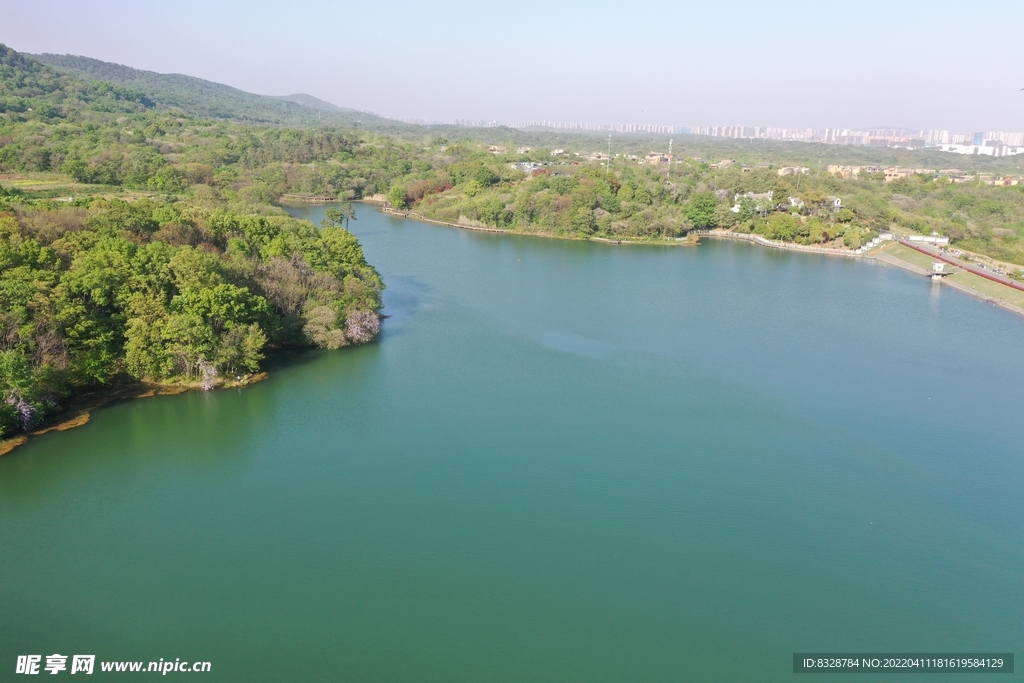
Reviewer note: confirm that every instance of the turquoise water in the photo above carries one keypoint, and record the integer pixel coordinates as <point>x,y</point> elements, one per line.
<point>563,461</point>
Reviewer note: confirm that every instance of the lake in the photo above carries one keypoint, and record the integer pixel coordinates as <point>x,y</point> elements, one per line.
<point>562,461</point>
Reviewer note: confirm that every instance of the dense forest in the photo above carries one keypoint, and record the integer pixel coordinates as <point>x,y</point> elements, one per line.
<point>156,249</point>
<point>95,294</point>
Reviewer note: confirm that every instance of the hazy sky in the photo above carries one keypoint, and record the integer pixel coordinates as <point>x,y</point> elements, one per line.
<point>794,63</point>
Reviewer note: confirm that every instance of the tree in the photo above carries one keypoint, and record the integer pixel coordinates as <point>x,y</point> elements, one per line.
<point>348,212</point>
<point>396,196</point>
<point>748,207</point>
<point>168,179</point>
<point>332,219</point>
<point>780,226</point>
<point>485,176</point>
<point>338,217</point>
<point>21,406</point>
<point>581,220</point>
<point>815,231</point>
<point>701,210</point>
<point>492,212</point>
<point>241,349</point>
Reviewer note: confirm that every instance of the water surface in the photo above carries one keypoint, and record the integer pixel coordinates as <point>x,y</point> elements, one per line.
<point>563,461</point>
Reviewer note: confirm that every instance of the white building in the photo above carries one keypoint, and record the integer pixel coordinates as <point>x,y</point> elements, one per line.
<point>990,148</point>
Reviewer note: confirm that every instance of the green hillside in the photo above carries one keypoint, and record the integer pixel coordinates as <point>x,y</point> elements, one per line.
<point>207,99</point>
<point>33,91</point>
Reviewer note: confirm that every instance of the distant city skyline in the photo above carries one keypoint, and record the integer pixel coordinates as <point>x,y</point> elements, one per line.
<point>857,65</point>
<point>986,143</point>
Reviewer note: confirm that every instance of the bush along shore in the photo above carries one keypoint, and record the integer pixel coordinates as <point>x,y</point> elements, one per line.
<point>155,295</point>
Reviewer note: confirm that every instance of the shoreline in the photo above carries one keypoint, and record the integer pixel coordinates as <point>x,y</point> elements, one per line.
<point>722,234</point>
<point>687,241</point>
<point>775,244</point>
<point>890,260</point>
<point>79,410</point>
<point>691,239</point>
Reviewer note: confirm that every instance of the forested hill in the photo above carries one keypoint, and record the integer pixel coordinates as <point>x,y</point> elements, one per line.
<point>207,99</point>
<point>35,91</point>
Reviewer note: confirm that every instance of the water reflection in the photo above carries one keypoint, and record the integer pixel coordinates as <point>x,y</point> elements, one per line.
<point>211,431</point>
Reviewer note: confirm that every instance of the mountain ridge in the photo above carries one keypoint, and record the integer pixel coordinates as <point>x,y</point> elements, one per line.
<point>201,97</point>
<point>312,102</point>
